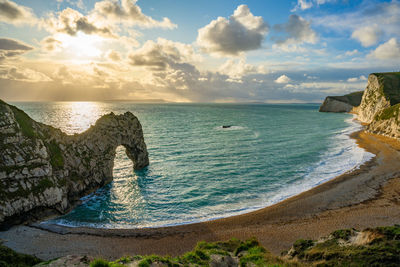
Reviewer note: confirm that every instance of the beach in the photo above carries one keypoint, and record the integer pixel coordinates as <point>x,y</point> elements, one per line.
<point>365,197</point>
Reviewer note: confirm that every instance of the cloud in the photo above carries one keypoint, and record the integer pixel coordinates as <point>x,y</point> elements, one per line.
<point>242,32</point>
<point>351,53</point>
<point>70,21</point>
<point>10,48</point>
<point>298,31</point>
<point>13,13</point>
<point>130,13</point>
<point>388,50</point>
<point>236,69</point>
<point>357,79</point>
<point>113,55</point>
<point>375,20</point>
<point>283,79</point>
<point>11,44</point>
<point>368,35</point>
<point>22,74</point>
<point>161,54</point>
<point>50,44</point>
<point>304,4</point>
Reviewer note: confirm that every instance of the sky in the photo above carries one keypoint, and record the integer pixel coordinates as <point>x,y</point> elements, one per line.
<point>224,51</point>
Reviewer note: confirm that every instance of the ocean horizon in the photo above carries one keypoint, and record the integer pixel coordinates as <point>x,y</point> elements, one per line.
<point>200,170</point>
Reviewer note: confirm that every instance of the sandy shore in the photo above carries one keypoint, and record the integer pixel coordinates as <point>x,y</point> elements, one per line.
<point>367,197</point>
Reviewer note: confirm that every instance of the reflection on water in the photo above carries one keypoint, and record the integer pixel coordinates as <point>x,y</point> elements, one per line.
<point>80,115</point>
<point>200,171</point>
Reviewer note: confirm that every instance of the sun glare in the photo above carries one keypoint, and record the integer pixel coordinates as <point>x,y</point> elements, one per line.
<point>81,115</point>
<point>81,46</point>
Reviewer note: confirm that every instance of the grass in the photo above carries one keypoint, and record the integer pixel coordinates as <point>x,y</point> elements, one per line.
<point>56,157</point>
<point>10,258</point>
<point>344,234</point>
<point>384,250</point>
<point>390,82</point>
<point>388,113</point>
<point>353,99</point>
<point>25,122</point>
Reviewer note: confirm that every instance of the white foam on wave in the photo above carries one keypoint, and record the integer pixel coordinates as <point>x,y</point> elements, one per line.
<point>343,155</point>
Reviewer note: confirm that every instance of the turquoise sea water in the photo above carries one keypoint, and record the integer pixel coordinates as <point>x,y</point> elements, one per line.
<point>200,171</point>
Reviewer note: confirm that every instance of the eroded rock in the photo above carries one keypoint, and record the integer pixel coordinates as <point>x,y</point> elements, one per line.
<point>44,171</point>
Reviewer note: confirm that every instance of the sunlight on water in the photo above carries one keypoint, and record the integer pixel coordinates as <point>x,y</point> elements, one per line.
<point>200,170</point>
<point>80,115</point>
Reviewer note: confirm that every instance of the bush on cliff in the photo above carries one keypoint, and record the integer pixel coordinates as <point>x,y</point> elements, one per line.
<point>10,258</point>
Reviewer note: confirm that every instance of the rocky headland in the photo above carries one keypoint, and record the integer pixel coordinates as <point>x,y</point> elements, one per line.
<point>379,106</point>
<point>44,171</point>
<point>343,103</point>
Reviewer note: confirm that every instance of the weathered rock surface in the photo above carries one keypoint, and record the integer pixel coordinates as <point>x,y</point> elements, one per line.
<point>341,103</point>
<point>44,171</point>
<point>380,104</point>
<point>382,91</point>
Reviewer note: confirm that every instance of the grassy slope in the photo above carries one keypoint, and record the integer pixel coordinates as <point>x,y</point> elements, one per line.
<point>339,249</point>
<point>353,99</point>
<point>381,247</point>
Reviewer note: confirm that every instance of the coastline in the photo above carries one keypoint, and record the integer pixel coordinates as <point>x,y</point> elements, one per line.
<point>365,197</point>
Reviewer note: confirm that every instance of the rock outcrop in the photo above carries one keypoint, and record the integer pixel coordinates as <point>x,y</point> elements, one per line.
<point>380,104</point>
<point>382,91</point>
<point>44,171</point>
<point>341,103</point>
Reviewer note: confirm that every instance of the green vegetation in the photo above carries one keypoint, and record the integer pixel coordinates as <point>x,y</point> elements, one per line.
<point>25,122</point>
<point>382,248</point>
<point>56,157</point>
<point>10,258</point>
<point>41,186</point>
<point>104,263</point>
<point>388,113</point>
<point>344,234</point>
<point>353,99</point>
<point>248,253</point>
<point>390,86</point>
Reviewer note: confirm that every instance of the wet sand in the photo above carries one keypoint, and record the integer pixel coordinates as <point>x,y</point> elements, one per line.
<point>366,197</point>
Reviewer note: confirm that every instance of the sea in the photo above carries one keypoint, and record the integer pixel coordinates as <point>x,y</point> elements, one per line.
<point>200,170</point>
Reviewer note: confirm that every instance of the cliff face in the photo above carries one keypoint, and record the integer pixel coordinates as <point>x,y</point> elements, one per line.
<point>341,103</point>
<point>44,171</point>
<point>379,107</point>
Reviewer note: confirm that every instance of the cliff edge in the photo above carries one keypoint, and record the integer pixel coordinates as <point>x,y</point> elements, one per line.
<point>44,171</point>
<point>380,105</point>
<point>343,103</point>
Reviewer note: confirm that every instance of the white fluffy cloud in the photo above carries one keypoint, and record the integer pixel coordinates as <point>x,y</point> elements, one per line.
<point>357,79</point>
<point>368,23</point>
<point>298,30</point>
<point>163,53</point>
<point>70,21</point>
<point>241,32</point>
<point>304,4</point>
<point>236,69</point>
<point>130,13</point>
<point>368,35</point>
<point>13,13</point>
<point>388,50</point>
<point>283,79</point>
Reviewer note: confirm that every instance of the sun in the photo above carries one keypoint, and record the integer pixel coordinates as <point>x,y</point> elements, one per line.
<point>81,46</point>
